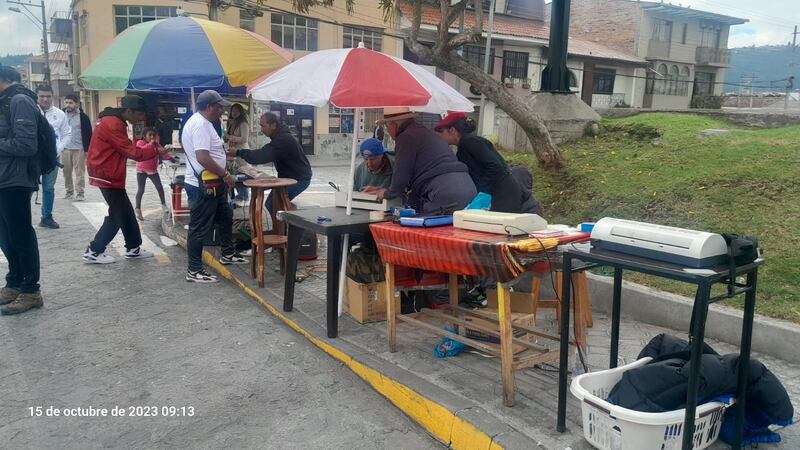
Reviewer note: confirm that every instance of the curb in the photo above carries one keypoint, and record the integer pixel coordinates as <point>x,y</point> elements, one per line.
<point>774,337</point>
<point>438,420</point>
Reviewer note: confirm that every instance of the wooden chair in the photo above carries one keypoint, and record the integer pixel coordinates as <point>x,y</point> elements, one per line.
<point>277,237</point>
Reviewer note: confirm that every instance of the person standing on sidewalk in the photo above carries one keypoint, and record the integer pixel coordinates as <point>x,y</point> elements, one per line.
<point>58,120</point>
<point>207,185</point>
<point>74,155</point>
<point>19,177</point>
<point>106,161</point>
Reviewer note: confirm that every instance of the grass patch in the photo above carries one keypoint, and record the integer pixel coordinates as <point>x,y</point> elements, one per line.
<point>655,168</point>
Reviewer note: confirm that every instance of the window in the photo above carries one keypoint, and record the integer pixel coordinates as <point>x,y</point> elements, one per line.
<point>573,80</point>
<point>294,33</point>
<point>372,39</point>
<point>247,20</point>
<point>340,120</point>
<point>515,65</point>
<point>475,54</point>
<point>685,31</point>
<point>683,88</point>
<point>37,67</point>
<point>662,30</point>
<point>672,88</point>
<point>709,34</point>
<point>703,83</point>
<point>661,80</point>
<point>603,81</point>
<point>128,16</point>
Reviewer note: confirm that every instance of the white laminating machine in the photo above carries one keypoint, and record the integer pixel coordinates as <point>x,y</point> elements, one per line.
<point>690,248</point>
<point>498,222</point>
<point>366,201</point>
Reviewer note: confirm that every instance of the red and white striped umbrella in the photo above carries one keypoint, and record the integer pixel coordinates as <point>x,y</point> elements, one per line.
<point>359,78</point>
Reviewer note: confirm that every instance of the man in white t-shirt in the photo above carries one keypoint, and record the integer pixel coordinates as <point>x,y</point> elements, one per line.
<point>207,184</point>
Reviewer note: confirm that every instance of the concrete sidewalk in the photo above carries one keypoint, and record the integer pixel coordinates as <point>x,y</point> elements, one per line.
<point>460,397</point>
<point>135,334</point>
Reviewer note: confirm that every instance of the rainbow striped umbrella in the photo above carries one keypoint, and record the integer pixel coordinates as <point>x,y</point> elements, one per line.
<point>184,52</point>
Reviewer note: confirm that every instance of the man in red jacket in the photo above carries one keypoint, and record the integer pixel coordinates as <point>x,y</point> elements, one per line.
<point>109,151</point>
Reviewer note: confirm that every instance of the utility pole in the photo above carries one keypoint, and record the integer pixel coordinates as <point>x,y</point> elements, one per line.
<point>486,56</point>
<point>212,9</point>
<point>790,78</point>
<point>43,23</point>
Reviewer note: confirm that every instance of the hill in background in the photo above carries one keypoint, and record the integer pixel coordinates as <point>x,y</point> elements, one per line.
<point>769,65</point>
<point>14,60</point>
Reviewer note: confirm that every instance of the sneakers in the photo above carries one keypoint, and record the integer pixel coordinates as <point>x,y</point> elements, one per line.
<point>138,253</point>
<point>8,295</point>
<point>68,196</point>
<point>48,222</point>
<point>201,276</point>
<point>23,303</point>
<point>235,258</point>
<point>90,257</point>
<point>476,298</point>
<point>80,198</point>
<point>139,214</point>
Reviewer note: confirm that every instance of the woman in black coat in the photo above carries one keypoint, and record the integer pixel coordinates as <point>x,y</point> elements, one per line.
<point>487,168</point>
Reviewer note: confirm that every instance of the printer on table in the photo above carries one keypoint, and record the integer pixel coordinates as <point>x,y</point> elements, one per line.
<point>696,249</point>
<point>366,201</point>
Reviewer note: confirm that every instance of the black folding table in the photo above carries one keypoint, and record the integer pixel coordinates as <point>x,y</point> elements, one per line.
<point>619,261</point>
<point>337,225</point>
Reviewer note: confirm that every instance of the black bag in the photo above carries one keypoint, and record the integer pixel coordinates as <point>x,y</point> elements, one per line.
<point>45,139</point>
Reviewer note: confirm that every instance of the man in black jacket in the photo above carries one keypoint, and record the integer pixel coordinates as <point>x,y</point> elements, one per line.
<point>74,155</point>
<point>19,174</point>
<point>284,150</point>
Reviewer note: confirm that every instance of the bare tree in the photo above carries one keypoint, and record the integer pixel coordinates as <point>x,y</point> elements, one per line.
<point>444,55</point>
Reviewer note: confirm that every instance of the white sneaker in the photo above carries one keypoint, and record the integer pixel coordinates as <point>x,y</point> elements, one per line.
<point>201,276</point>
<point>90,257</point>
<point>138,253</point>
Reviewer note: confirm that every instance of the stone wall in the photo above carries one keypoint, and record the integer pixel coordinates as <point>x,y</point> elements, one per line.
<point>748,119</point>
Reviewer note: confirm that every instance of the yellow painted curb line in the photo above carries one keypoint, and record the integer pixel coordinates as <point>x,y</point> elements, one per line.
<point>435,418</point>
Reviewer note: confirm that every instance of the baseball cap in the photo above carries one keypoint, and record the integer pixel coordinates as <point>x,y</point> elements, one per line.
<point>133,102</point>
<point>451,119</point>
<point>211,97</point>
<point>371,148</point>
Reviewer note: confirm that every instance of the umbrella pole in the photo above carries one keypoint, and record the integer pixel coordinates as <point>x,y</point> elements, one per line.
<point>194,106</point>
<point>346,240</point>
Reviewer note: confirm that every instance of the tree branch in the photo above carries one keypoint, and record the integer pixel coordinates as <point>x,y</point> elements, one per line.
<point>415,22</point>
<point>461,39</point>
<point>444,26</point>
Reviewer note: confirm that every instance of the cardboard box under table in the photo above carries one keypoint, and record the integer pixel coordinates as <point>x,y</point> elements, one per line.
<point>366,302</point>
<point>459,252</point>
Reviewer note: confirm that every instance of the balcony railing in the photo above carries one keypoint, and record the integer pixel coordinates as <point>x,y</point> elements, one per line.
<point>711,55</point>
<point>658,49</point>
<point>603,101</point>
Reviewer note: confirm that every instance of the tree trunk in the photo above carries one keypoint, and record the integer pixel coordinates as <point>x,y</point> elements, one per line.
<point>546,152</point>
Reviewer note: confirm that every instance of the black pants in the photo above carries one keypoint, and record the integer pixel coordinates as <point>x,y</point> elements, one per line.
<point>141,179</point>
<point>120,217</point>
<point>508,196</point>
<point>18,240</point>
<point>206,211</point>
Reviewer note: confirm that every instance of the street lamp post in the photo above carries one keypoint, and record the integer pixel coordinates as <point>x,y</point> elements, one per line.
<point>43,23</point>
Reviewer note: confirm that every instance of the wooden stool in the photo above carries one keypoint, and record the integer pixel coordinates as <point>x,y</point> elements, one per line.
<point>582,304</point>
<point>277,237</point>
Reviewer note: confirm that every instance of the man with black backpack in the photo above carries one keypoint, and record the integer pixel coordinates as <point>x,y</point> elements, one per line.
<point>20,168</point>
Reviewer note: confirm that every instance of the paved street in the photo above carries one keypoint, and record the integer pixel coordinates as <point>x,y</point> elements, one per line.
<point>134,333</point>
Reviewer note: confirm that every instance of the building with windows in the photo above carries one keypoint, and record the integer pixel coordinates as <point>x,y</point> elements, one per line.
<point>60,73</point>
<point>686,49</point>
<point>320,130</point>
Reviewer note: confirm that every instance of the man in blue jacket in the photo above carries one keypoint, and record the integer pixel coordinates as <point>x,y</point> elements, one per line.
<point>19,174</point>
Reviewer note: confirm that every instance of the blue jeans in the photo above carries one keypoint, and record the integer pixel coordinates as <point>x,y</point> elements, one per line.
<point>49,193</point>
<point>291,191</point>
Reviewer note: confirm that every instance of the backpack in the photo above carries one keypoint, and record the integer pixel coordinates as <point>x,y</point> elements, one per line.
<point>45,138</point>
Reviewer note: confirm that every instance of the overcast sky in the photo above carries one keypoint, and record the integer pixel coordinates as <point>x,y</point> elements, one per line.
<point>771,22</point>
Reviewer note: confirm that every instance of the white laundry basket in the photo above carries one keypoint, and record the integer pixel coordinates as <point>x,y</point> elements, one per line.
<point>610,427</point>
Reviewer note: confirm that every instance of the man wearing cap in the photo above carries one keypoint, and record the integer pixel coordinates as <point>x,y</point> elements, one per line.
<point>207,185</point>
<point>106,164</point>
<point>425,167</point>
<point>377,168</point>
